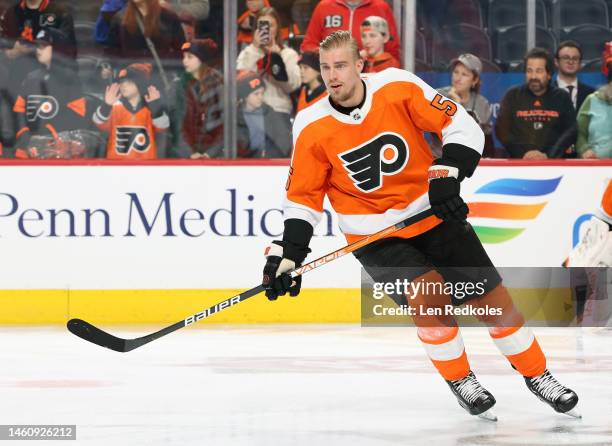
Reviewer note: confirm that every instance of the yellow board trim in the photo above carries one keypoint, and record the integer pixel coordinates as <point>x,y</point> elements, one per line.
<point>47,307</point>
<point>322,305</point>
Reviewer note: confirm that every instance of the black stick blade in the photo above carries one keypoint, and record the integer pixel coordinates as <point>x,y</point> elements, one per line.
<point>85,330</point>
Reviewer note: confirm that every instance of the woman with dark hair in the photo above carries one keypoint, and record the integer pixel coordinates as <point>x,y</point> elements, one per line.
<point>198,112</point>
<point>160,25</point>
<point>276,63</point>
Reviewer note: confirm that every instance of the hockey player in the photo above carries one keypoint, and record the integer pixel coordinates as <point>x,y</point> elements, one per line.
<point>50,99</point>
<point>595,246</point>
<point>364,148</point>
<point>132,114</point>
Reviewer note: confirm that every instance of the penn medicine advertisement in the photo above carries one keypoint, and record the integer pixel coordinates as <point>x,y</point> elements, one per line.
<point>206,227</point>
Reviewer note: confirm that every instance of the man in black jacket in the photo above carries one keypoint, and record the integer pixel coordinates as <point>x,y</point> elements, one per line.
<point>50,99</point>
<point>567,60</point>
<point>20,23</point>
<point>534,117</point>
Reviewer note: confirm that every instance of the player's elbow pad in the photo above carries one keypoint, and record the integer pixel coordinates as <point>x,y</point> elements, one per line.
<point>463,158</point>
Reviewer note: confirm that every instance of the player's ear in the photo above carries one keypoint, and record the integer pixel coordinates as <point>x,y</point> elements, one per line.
<point>386,38</point>
<point>359,64</point>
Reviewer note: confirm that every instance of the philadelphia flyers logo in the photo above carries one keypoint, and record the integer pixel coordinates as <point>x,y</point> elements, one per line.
<point>128,138</point>
<point>43,107</point>
<point>386,154</point>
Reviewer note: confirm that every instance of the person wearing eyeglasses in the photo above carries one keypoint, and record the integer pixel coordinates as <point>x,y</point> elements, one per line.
<point>568,59</point>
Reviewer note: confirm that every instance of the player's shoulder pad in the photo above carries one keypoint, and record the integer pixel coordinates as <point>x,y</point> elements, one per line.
<point>310,115</point>
<point>392,75</point>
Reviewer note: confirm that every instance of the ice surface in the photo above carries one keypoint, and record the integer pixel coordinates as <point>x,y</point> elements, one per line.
<point>293,385</point>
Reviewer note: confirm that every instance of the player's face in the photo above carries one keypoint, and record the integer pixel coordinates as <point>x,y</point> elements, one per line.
<point>44,54</point>
<point>308,74</point>
<point>536,76</point>
<point>340,72</point>
<point>373,42</point>
<point>128,89</point>
<point>191,63</point>
<point>255,99</point>
<point>463,79</point>
<point>568,61</point>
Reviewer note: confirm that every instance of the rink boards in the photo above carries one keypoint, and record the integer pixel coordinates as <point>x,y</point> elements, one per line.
<point>157,243</point>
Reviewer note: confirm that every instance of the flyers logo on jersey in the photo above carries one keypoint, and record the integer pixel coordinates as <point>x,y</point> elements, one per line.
<point>386,154</point>
<point>128,138</point>
<point>43,107</point>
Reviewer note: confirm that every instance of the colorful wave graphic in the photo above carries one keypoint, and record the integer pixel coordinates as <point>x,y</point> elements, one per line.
<point>514,187</point>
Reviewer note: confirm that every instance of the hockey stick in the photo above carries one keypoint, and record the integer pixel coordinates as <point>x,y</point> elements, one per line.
<point>90,333</point>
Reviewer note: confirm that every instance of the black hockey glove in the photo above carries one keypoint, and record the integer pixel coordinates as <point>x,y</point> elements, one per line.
<point>281,257</point>
<point>274,64</point>
<point>444,197</point>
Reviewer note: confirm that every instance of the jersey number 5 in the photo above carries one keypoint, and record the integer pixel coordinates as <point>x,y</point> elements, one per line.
<point>446,105</point>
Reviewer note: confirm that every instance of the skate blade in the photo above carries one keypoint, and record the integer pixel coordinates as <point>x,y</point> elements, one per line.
<point>488,415</point>
<point>573,413</point>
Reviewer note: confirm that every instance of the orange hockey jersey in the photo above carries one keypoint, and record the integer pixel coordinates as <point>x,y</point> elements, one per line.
<point>132,132</point>
<point>373,164</point>
<point>305,99</point>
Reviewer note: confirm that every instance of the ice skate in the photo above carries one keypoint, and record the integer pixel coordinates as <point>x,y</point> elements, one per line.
<point>556,395</point>
<point>473,397</point>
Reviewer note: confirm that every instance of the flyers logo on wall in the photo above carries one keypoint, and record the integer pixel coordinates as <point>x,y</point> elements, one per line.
<point>43,107</point>
<point>129,138</point>
<point>507,205</point>
<point>386,154</point>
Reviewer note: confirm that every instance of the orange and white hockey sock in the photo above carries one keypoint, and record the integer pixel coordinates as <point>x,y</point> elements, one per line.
<point>444,346</point>
<point>520,346</point>
<point>513,339</point>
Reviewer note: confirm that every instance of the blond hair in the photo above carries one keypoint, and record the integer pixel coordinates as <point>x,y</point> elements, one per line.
<point>338,39</point>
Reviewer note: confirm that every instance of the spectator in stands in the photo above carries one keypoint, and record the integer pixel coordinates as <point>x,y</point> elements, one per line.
<point>567,61</point>
<point>277,64</point>
<point>132,113</point>
<point>533,117</point>
<point>313,87</point>
<point>126,40</point>
<point>464,89</point>
<point>262,132</point>
<point>248,20</point>
<point>107,11</point>
<point>19,25</point>
<point>335,15</point>
<point>188,12</point>
<point>3,107</point>
<point>198,115</point>
<point>595,116</point>
<point>374,36</point>
<point>50,99</point>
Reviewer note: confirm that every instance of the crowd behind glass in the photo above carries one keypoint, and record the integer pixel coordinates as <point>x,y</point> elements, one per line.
<point>141,79</point>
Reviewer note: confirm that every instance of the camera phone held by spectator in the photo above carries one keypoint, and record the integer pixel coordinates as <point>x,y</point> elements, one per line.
<point>264,30</point>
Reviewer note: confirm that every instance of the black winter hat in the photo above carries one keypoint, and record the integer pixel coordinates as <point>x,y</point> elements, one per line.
<point>248,82</point>
<point>311,59</point>
<point>140,74</point>
<point>203,49</point>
